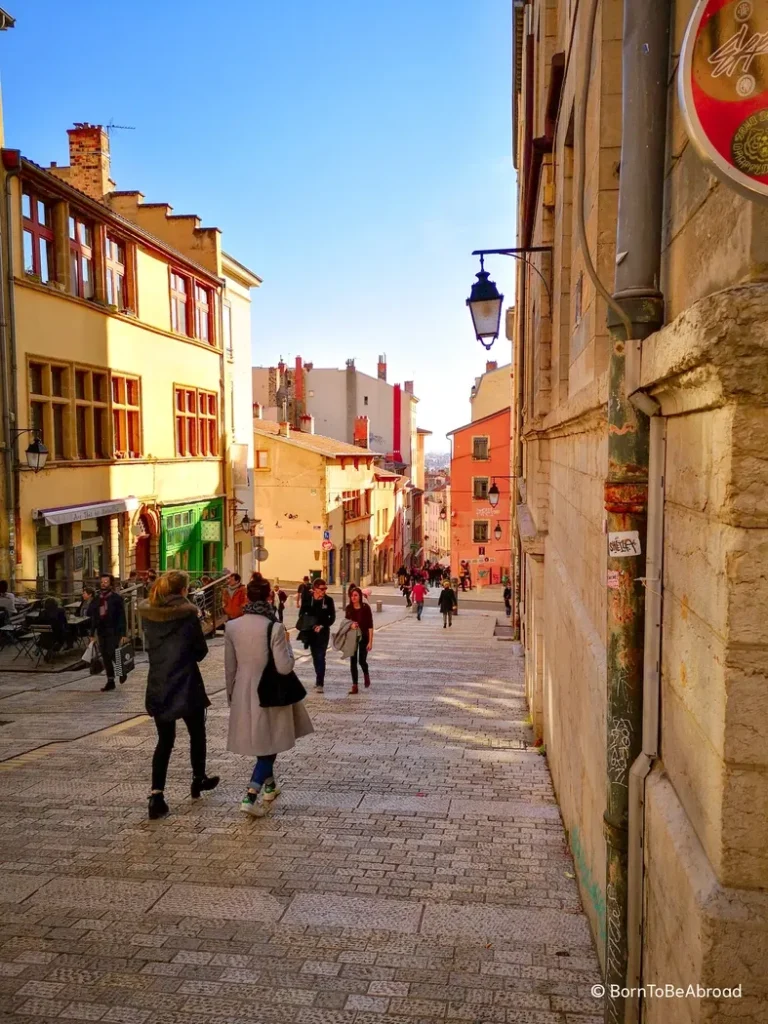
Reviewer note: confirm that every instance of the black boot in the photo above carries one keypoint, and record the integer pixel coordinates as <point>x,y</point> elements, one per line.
<point>158,808</point>
<point>109,685</point>
<point>201,785</point>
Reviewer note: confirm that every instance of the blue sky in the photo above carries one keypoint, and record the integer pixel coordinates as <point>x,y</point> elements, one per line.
<point>353,153</point>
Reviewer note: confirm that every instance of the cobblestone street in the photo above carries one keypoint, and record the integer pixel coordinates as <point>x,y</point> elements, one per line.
<point>413,870</point>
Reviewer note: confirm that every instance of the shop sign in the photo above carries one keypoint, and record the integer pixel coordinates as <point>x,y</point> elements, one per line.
<point>723,89</point>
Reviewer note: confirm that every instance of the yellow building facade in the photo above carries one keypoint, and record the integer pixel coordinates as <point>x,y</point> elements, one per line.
<point>311,489</point>
<point>113,354</point>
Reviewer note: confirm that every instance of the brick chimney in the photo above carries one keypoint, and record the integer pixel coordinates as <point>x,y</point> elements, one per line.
<point>491,365</point>
<point>89,160</point>
<point>362,434</point>
<point>382,368</point>
<point>307,424</point>
<point>408,387</point>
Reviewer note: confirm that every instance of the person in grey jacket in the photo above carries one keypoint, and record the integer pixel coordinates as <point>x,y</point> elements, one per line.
<point>254,730</point>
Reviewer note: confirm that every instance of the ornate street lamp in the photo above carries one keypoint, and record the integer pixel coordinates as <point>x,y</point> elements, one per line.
<point>37,453</point>
<point>485,302</point>
<point>497,532</point>
<point>493,495</point>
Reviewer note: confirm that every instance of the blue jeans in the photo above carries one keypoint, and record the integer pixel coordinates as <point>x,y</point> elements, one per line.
<point>263,770</point>
<point>419,609</point>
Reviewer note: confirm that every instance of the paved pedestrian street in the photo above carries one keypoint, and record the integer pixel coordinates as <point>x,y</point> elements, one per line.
<point>414,868</point>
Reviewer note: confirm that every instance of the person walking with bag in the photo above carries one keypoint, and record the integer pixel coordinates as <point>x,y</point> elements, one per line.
<point>266,714</point>
<point>318,614</point>
<point>362,623</point>
<point>447,603</point>
<point>108,626</point>
<point>234,596</point>
<point>175,689</point>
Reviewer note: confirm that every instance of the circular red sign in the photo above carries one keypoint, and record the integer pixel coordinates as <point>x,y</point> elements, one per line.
<point>723,88</point>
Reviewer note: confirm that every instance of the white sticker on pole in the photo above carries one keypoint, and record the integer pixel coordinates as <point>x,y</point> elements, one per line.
<point>624,545</point>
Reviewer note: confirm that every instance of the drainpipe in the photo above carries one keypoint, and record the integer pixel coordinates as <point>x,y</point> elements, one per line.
<point>643,765</point>
<point>518,469</point>
<point>645,56</point>
<point>9,384</point>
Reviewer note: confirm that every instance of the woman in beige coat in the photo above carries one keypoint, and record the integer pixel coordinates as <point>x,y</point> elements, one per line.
<point>254,730</point>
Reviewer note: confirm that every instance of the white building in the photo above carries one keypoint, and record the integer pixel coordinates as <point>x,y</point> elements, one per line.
<point>236,332</point>
<point>338,400</point>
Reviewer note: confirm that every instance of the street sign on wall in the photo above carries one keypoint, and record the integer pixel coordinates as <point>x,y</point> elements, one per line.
<point>327,545</point>
<point>723,89</point>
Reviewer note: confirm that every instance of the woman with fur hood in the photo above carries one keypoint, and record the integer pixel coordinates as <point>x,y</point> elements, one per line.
<point>175,645</point>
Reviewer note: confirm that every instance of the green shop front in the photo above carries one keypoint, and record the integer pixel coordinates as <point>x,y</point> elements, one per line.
<point>192,536</point>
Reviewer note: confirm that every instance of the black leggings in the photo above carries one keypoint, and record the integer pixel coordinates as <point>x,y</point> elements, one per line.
<point>361,655</point>
<point>166,737</point>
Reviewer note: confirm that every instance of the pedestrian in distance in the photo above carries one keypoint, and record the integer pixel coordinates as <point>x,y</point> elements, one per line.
<point>281,599</point>
<point>447,603</point>
<point>362,621</point>
<point>406,592</point>
<point>234,596</point>
<point>419,597</point>
<point>316,616</point>
<point>108,626</point>
<point>175,688</point>
<point>508,600</point>
<point>303,588</point>
<point>260,731</point>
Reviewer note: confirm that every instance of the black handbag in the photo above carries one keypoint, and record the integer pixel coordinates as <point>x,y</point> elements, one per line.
<point>276,690</point>
<point>305,623</point>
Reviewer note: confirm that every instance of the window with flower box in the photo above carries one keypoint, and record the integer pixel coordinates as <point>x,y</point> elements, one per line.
<point>38,237</point>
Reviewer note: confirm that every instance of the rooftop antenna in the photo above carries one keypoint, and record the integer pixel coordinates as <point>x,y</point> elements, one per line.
<point>111,127</point>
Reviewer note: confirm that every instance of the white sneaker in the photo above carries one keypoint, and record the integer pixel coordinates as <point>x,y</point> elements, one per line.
<point>255,808</point>
<point>270,793</point>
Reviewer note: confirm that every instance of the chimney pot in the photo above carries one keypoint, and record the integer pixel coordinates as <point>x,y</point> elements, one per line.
<point>89,160</point>
<point>491,365</point>
<point>382,368</point>
<point>307,424</point>
<point>408,387</point>
<point>362,435</point>
<point>285,429</point>
<point>258,411</point>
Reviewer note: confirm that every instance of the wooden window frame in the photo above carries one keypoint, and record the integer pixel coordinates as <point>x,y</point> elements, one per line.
<point>203,312</point>
<point>40,233</point>
<point>486,524</point>
<point>183,298</point>
<point>45,401</point>
<point>475,456</point>
<point>475,481</point>
<point>114,269</point>
<point>126,416</point>
<point>257,458</point>
<point>196,427</point>
<point>92,407</point>
<point>80,252</point>
<point>228,339</point>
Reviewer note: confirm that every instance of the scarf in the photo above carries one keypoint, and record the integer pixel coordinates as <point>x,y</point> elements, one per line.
<point>260,608</point>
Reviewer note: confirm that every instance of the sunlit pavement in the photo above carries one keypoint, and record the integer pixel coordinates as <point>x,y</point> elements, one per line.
<point>413,870</point>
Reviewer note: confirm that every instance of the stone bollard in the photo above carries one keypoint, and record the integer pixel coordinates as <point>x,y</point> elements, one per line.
<point>379,606</point>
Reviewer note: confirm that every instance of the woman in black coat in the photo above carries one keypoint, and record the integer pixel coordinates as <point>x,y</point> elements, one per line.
<point>175,645</point>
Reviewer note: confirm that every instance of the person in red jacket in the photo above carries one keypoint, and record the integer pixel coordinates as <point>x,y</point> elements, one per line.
<point>235,597</point>
<point>362,620</point>
<point>419,596</point>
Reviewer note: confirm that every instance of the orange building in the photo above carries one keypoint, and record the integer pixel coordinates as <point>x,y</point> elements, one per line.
<point>479,531</point>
